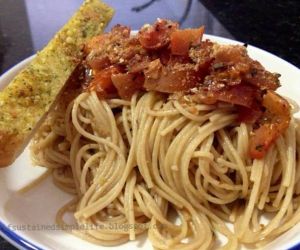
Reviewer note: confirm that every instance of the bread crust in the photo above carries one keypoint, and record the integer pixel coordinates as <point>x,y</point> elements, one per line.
<point>25,102</point>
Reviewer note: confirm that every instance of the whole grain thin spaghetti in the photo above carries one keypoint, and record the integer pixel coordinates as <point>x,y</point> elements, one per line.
<point>180,173</point>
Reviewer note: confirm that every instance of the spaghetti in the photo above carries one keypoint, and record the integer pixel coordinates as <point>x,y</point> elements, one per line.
<point>139,162</point>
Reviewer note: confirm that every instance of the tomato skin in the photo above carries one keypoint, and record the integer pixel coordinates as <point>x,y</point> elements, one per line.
<point>102,83</point>
<point>182,40</point>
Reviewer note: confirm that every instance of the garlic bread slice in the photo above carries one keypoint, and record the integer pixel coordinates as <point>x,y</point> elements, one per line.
<point>25,102</point>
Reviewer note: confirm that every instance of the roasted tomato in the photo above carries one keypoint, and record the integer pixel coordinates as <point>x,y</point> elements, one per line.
<point>95,43</point>
<point>258,76</point>
<point>202,54</point>
<point>231,54</point>
<point>232,65</point>
<point>249,115</point>
<point>171,78</point>
<point>241,94</point>
<point>182,40</point>
<point>128,83</point>
<point>98,43</point>
<point>121,31</point>
<point>156,36</point>
<point>98,63</point>
<point>273,123</point>
<point>228,67</point>
<point>104,50</point>
<point>102,83</point>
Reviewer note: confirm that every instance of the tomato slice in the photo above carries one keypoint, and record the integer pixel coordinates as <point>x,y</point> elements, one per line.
<point>182,40</point>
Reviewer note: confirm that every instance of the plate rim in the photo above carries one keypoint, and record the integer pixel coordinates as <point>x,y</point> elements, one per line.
<point>22,242</point>
<point>15,239</point>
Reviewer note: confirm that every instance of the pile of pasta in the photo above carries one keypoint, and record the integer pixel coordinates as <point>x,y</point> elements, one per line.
<point>181,172</point>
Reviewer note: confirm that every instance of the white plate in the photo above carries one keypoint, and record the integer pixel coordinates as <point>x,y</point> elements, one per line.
<point>21,215</point>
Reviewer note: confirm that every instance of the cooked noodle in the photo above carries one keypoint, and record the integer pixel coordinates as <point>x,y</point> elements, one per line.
<point>180,174</point>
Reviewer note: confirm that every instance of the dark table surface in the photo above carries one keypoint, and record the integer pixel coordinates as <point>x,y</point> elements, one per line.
<point>273,25</point>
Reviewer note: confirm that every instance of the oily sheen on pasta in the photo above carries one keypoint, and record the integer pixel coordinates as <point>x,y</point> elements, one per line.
<point>183,163</point>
